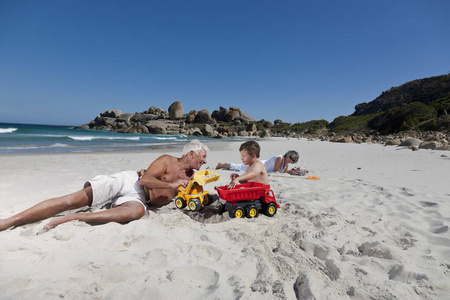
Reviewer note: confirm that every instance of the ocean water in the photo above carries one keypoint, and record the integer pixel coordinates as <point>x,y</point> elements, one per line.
<point>27,138</point>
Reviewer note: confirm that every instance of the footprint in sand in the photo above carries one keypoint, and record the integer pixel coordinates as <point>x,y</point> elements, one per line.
<point>406,242</point>
<point>303,288</point>
<point>193,279</point>
<point>374,249</point>
<point>208,251</point>
<point>131,239</point>
<point>62,237</point>
<point>238,288</point>
<point>439,229</point>
<point>30,231</point>
<point>398,273</point>
<point>158,258</point>
<point>330,268</point>
<point>427,204</point>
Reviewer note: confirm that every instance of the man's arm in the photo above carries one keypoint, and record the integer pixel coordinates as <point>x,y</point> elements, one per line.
<point>154,177</point>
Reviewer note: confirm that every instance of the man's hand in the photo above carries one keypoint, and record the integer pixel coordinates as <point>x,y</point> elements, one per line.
<point>180,182</point>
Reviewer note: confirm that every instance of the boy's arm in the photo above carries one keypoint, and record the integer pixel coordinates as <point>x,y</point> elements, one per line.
<point>251,173</point>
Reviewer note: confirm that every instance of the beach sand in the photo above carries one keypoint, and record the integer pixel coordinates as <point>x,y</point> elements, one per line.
<point>376,226</point>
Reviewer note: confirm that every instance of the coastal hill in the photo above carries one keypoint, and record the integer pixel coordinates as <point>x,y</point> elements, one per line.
<point>422,90</point>
<point>418,105</point>
<point>415,107</point>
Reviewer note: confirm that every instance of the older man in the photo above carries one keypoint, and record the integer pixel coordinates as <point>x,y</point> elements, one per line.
<point>129,192</point>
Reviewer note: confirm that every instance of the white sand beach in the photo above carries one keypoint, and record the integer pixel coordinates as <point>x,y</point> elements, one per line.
<point>376,226</point>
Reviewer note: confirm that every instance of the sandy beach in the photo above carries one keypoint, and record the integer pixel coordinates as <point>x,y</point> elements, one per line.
<point>376,226</point>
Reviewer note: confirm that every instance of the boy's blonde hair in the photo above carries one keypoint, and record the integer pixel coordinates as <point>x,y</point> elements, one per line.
<point>251,147</point>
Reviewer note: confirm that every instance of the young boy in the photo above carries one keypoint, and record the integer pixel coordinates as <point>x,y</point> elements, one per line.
<point>256,171</point>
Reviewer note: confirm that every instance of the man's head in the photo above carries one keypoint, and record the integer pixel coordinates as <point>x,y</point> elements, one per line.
<point>195,152</point>
<point>196,146</point>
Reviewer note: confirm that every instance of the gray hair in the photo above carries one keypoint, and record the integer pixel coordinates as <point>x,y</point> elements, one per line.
<point>293,155</point>
<point>194,145</point>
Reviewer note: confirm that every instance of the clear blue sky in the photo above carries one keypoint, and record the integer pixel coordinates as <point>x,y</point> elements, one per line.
<point>66,61</point>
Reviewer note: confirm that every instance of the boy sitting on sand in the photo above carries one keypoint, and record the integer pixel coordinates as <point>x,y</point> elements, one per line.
<point>256,171</point>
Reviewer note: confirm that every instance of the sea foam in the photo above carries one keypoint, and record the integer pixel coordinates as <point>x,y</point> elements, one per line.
<point>91,138</point>
<point>7,130</point>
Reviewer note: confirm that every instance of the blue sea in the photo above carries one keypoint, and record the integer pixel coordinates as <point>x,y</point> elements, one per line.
<point>27,138</point>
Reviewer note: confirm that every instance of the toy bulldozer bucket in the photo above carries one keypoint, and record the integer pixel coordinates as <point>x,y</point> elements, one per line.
<point>193,194</point>
<point>200,178</point>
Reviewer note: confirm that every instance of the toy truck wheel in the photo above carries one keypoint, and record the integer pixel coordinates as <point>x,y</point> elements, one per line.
<point>252,211</point>
<point>207,199</point>
<point>237,212</point>
<point>195,205</point>
<point>180,203</point>
<point>270,210</point>
<point>221,209</point>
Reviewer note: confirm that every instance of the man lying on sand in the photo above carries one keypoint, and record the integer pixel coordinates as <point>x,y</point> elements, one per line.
<point>129,192</point>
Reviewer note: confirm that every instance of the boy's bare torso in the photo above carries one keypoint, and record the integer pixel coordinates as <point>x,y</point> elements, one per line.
<point>260,171</point>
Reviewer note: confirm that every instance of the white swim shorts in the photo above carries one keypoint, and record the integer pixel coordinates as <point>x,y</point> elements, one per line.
<point>117,189</point>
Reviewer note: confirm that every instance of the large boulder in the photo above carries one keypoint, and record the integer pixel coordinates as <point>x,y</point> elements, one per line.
<point>220,115</point>
<point>444,147</point>
<point>394,142</point>
<point>125,117</point>
<point>265,133</point>
<point>278,122</point>
<point>207,130</point>
<point>251,127</point>
<point>246,119</point>
<point>143,118</point>
<point>196,132</point>
<point>111,113</point>
<point>176,111</point>
<point>429,145</point>
<point>411,142</point>
<point>232,115</point>
<point>104,121</point>
<point>190,117</point>
<point>156,111</point>
<point>236,109</point>
<point>203,116</point>
<point>347,139</point>
<point>156,127</point>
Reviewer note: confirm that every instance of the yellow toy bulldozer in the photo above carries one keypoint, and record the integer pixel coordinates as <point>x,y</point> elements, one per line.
<point>193,195</point>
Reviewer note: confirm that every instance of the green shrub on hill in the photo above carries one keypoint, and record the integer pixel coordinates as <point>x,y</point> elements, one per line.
<point>351,124</point>
<point>440,105</point>
<point>411,116</point>
<point>309,127</point>
<point>403,118</point>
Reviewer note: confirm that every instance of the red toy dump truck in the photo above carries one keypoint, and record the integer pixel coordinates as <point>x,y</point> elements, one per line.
<point>248,200</point>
